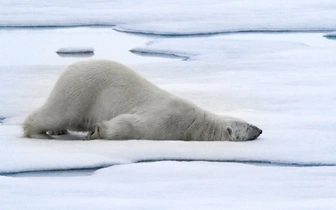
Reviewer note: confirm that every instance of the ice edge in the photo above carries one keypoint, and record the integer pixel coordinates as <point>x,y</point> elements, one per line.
<point>156,53</point>
<point>211,33</point>
<point>252,162</point>
<point>56,26</point>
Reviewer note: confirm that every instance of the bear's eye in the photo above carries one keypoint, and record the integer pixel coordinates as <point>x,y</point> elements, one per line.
<point>229,130</point>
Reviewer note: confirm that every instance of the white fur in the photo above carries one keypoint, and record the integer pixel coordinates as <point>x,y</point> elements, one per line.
<point>113,102</point>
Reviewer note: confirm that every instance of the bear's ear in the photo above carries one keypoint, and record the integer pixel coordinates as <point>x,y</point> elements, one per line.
<point>229,130</point>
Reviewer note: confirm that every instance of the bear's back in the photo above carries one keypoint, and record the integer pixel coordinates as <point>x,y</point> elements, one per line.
<point>102,72</point>
<point>104,83</point>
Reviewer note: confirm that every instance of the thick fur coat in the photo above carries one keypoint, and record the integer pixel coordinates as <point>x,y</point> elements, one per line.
<point>110,101</point>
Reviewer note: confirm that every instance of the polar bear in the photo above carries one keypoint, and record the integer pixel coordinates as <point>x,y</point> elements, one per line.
<point>110,101</point>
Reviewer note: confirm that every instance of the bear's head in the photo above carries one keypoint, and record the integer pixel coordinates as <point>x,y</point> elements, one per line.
<point>239,130</point>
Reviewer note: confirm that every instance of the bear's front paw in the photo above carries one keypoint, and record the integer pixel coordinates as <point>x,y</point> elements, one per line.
<point>94,134</point>
<point>58,132</point>
<point>89,135</point>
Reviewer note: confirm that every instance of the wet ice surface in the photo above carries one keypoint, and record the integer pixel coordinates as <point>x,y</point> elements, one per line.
<point>331,35</point>
<point>282,82</point>
<point>75,51</point>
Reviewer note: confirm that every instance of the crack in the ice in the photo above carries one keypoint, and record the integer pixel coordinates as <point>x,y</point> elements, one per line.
<point>330,36</point>
<point>212,33</point>
<point>46,171</point>
<point>95,168</point>
<point>57,26</point>
<point>160,54</point>
<point>253,162</point>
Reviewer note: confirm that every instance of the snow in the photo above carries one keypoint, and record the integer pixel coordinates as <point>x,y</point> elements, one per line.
<point>174,185</point>
<point>281,82</point>
<point>60,155</point>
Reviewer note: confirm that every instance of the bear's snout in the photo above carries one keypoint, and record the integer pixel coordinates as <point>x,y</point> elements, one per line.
<point>257,132</point>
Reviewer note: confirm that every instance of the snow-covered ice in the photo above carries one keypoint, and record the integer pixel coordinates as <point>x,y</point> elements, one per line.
<point>174,17</point>
<point>238,80</point>
<point>282,82</point>
<point>26,46</point>
<point>176,185</point>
